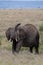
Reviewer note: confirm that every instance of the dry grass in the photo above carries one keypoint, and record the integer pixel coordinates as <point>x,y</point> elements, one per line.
<point>9,18</point>
<point>12,17</point>
<point>23,58</point>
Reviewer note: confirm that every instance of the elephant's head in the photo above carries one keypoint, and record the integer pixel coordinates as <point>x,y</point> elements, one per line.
<point>8,33</point>
<point>11,33</point>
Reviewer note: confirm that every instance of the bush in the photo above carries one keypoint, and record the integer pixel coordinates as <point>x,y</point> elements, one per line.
<point>41,27</point>
<point>41,42</point>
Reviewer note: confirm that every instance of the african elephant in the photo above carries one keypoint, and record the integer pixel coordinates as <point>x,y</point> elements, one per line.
<point>27,36</point>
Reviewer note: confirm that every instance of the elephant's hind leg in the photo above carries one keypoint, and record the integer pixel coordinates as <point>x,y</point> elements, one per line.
<point>37,45</point>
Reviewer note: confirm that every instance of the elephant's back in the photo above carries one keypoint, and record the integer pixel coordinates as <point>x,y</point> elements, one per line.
<point>31,31</point>
<point>30,28</point>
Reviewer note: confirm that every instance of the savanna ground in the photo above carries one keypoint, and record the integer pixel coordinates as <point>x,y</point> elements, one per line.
<point>9,18</point>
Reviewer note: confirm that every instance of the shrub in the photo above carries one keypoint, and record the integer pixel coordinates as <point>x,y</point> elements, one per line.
<point>41,27</point>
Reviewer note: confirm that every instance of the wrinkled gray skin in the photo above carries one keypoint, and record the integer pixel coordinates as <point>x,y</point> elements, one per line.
<point>27,36</point>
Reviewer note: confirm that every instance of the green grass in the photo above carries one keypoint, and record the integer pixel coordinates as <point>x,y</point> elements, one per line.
<point>4,43</point>
<point>41,37</point>
<point>41,27</point>
<point>41,41</point>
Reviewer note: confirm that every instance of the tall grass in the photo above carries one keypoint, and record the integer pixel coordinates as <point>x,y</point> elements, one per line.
<point>41,41</point>
<point>41,37</point>
<point>41,27</point>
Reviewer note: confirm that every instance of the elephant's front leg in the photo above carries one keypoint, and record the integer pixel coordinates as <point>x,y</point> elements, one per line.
<point>14,46</point>
<point>18,46</point>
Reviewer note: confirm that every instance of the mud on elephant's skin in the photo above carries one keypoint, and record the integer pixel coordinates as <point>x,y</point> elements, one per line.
<point>27,36</point>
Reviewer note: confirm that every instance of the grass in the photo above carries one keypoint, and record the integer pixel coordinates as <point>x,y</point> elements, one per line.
<point>9,18</point>
<point>41,42</point>
<point>41,36</point>
<point>41,27</point>
<point>4,44</point>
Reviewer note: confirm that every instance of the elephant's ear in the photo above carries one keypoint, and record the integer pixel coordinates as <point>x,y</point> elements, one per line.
<point>8,33</point>
<point>17,26</point>
<point>21,34</point>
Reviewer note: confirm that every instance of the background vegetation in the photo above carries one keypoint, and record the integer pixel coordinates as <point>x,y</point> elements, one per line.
<point>9,18</point>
